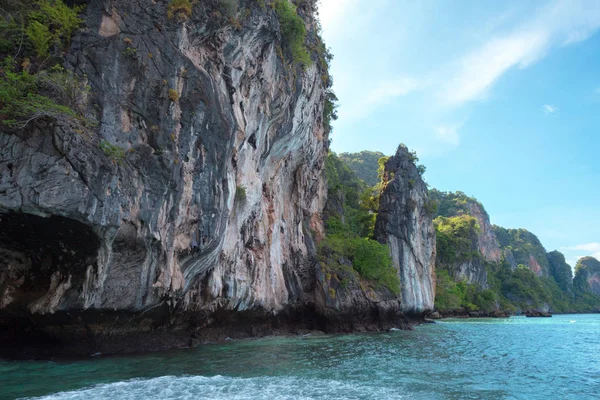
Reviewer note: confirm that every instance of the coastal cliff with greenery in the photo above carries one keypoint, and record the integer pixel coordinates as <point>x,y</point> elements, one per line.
<point>166,178</point>
<point>173,164</point>
<point>484,269</point>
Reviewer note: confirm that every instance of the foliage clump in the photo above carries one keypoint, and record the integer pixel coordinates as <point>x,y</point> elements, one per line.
<point>33,35</point>
<point>455,238</point>
<point>112,151</point>
<point>369,258</point>
<point>173,95</point>
<point>451,204</point>
<point>240,194</point>
<point>350,221</point>
<point>293,31</point>
<point>51,25</point>
<point>455,295</point>
<point>180,10</point>
<point>54,93</point>
<point>364,164</point>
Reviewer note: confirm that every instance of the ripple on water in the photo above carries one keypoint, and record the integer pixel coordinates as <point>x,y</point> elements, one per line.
<point>516,358</point>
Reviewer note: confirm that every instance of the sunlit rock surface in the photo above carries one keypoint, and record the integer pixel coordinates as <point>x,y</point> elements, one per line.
<point>405,224</point>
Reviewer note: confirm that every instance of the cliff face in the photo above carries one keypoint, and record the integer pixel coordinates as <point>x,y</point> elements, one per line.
<point>405,224</point>
<point>523,247</point>
<point>487,243</point>
<point>561,271</point>
<point>587,276</point>
<point>211,206</point>
<point>483,244</point>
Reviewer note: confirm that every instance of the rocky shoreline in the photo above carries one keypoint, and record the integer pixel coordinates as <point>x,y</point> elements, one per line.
<point>91,333</point>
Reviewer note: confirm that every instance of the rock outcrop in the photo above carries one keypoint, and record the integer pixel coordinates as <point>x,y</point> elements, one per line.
<point>215,202</point>
<point>469,266</point>
<point>587,276</point>
<point>561,271</point>
<point>471,271</point>
<point>405,224</point>
<point>487,243</point>
<point>522,247</point>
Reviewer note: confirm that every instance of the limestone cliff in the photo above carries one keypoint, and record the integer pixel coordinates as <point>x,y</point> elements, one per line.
<point>405,224</point>
<point>561,271</point>
<point>487,243</point>
<point>457,248</point>
<point>483,244</point>
<point>587,276</point>
<point>216,201</point>
<point>522,247</point>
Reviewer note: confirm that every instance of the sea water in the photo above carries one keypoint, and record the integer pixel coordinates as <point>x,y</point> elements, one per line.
<point>514,358</point>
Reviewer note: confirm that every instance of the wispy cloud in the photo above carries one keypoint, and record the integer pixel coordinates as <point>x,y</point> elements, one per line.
<point>478,71</point>
<point>448,134</point>
<point>388,90</point>
<point>590,247</point>
<point>575,252</point>
<point>559,24</point>
<point>549,109</point>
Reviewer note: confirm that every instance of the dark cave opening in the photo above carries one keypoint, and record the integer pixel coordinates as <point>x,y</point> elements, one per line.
<point>33,248</point>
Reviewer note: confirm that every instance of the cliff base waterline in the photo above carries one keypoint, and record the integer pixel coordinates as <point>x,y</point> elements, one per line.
<point>83,334</point>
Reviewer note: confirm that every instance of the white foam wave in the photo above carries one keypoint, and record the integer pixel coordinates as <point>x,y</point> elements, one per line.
<point>221,387</point>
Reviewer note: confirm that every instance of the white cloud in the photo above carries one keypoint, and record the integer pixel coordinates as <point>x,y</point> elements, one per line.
<point>384,92</point>
<point>589,247</point>
<point>478,71</point>
<point>549,109</point>
<point>559,24</point>
<point>390,89</point>
<point>448,134</point>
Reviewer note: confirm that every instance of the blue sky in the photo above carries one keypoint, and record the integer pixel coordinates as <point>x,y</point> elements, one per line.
<point>501,100</point>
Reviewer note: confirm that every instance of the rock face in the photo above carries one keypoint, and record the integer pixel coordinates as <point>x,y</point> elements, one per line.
<point>487,243</point>
<point>212,206</point>
<point>484,244</point>
<point>561,271</point>
<point>522,247</point>
<point>471,271</point>
<point>405,224</point>
<point>354,305</point>
<point>587,276</point>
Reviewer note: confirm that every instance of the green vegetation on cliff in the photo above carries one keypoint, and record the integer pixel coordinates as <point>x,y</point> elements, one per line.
<point>521,289</point>
<point>561,271</point>
<point>454,295</point>
<point>454,239</point>
<point>524,245</point>
<point>451,204</point>
<point>526,278</point>
<point>293,31</point>
<point>365,165</point>
<point>586,284</point>
<point>33,84</point>
<point>349,223</point>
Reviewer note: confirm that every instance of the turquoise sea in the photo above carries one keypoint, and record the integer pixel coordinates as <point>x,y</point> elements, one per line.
<point>515,358</point>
